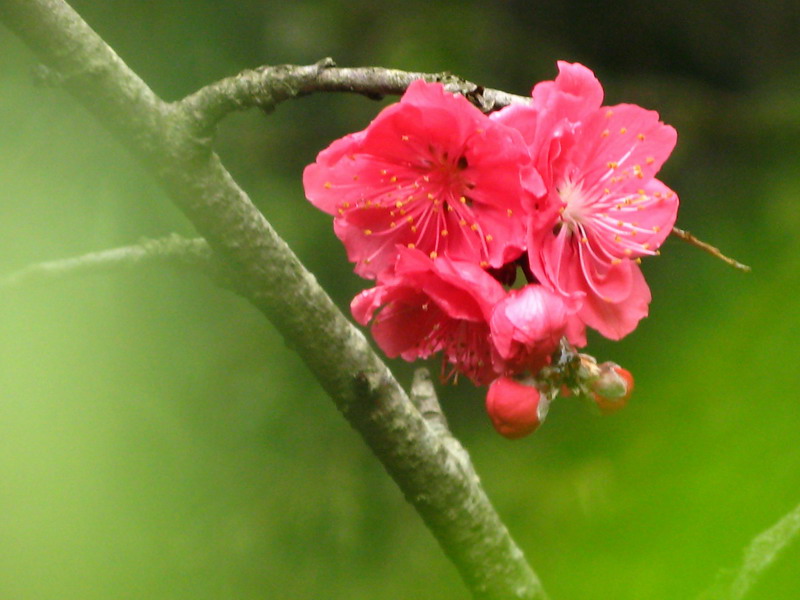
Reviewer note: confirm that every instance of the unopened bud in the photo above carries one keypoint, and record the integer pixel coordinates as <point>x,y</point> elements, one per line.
<point>516,409</point>
<point>613,388</point>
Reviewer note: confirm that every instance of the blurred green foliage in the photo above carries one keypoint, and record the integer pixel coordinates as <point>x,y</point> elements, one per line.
<point>158,439</point>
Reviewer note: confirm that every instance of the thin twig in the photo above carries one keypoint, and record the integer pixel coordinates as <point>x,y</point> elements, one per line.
<point>712,250</point>
<point>173,250</point>
<point>759,555</point>
<point>267,86</point>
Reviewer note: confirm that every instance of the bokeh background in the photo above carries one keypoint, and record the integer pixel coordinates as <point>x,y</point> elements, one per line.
<point>159,440</point>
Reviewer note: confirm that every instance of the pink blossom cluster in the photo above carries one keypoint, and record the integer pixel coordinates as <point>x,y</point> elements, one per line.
<point>491,237</point>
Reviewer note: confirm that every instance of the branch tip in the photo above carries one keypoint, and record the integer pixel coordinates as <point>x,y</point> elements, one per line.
<point>712,250</point>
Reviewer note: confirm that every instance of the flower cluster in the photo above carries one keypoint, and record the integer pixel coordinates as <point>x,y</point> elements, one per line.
<point>492,237</point>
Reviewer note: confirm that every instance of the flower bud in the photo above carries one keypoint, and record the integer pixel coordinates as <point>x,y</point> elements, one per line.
<point>515,409</point>
<point>612,388</point>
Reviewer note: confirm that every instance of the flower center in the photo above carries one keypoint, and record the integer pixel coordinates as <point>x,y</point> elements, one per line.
<point>575,202</point>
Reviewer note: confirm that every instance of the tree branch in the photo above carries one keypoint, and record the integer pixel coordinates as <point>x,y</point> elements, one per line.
<point>174,250</point>
<point>166,138</point>
<point>759,555</point>
<point>423,395</point>
<point>267,86</point>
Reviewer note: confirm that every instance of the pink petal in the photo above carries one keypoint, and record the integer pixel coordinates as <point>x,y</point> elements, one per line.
<point>532,317</point>
<point>616,320</point>
<point>322,180</point>
<point>574,93</point>
<point>609,281</point>
<point>627,136</point>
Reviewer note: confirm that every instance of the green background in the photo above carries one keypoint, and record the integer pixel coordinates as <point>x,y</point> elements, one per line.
<point>159,440</point>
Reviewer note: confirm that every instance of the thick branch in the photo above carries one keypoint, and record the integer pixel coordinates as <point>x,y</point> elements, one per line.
<point>174,250</point>
<point>165,137</point>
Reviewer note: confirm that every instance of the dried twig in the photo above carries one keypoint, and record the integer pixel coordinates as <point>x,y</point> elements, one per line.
<point>712,250</point>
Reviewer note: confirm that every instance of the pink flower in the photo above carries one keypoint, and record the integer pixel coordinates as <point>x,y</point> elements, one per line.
<point>527,325</point>
<point>434,305</point>
<point>431,172</point>
<point>603,208</point>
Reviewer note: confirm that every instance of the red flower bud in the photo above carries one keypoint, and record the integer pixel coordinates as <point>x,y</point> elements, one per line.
<point>515,409</point>
<point>613,388</point>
